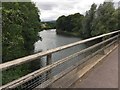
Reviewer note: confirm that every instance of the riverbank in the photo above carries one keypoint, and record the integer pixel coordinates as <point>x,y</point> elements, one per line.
<point>47,28</point>
<point>78,35</point>
<point>74,34</point>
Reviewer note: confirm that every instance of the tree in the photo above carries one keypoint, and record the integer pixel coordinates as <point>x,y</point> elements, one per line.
<point>118,18</point>
<point>105,20</point>
<point>20,29</point>
<point>88,20</point>
<point>60,25</point>
<point>70,23</point>
<point>77,22</point>
<point>97,21</point>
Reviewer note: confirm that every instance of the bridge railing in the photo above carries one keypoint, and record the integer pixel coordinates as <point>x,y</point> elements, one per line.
<point>113,38</point>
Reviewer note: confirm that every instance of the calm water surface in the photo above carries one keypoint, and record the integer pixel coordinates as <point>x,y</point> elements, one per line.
<point>51,40</point>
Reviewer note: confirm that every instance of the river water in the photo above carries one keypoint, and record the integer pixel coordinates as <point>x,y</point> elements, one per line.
<point>52,40</point>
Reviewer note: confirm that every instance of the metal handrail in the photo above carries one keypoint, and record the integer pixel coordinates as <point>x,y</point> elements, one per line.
<point>49,81</point>
<point>50,65</point>
<point>29,58</point>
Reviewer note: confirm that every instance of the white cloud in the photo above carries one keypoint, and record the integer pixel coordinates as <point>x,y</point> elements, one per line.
<point>52,9</point>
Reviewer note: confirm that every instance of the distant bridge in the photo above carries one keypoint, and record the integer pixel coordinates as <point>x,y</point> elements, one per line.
<point>104,74</point>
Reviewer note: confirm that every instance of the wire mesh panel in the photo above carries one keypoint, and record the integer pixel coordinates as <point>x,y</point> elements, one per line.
<point>57,60</point>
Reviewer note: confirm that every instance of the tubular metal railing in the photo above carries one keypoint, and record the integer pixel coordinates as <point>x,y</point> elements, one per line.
<point>113,38</point>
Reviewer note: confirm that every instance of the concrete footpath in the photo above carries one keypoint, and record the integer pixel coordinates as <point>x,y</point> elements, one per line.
<point>104,75</point>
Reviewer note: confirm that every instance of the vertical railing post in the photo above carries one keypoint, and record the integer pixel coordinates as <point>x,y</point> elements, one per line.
<point>118,37</point>
<point>48,62</point>
<point>103,45</point>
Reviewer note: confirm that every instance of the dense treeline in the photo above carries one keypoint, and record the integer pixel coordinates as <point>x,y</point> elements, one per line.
<point>97,21</point>
<point>71,23</point>
<point>48,25</point>
<point>20,27</point>
<point>20,23</point>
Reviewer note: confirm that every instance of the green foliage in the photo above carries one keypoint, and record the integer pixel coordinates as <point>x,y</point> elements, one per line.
<point>14,73</point>
<point>105,20</point>
<point>60,23</point>
<point>20,28</point>
<point>71,23</point>
<point>88,21</point>
<point>48,25</point>
<point>96,21</point>
<point>118,13</point>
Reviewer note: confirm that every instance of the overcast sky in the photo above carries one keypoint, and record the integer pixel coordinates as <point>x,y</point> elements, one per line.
<point>52,9</point>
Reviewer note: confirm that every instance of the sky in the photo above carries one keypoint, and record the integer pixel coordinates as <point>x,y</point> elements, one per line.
<point>52,9</point>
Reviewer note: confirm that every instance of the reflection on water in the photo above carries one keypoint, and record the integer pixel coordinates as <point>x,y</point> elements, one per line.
<point>51,40</point>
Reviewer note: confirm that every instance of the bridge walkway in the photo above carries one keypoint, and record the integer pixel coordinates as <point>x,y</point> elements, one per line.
<point>104,75</point>
<point>97,70</point>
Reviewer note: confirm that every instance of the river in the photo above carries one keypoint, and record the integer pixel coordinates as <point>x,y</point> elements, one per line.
<point>52,40</point>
